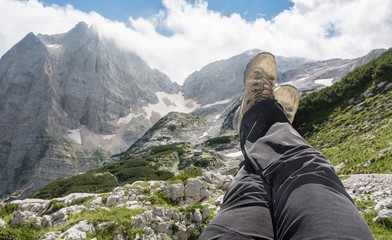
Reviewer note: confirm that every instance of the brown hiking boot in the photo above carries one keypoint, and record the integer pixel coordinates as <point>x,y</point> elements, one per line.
<point>288,96</point>
<point>259,80</point>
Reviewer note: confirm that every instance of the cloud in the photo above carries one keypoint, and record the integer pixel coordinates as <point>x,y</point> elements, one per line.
<point>184,37</point>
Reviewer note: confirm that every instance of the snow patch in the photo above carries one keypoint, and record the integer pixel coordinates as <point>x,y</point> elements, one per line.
<point>170,103</point>
<point>108,137</point>
<point>205,134</point>
<point>128,118</point>
<point>234,154</point>
<point>53,45</point>
<point>75,135</point>
<point>216,103</point>
<point>326,81</point>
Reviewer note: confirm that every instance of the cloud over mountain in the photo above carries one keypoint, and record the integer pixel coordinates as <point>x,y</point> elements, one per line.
<point>183,37</point>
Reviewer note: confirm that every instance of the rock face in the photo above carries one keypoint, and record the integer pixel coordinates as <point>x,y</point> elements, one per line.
<point>222,80</point>
<point>64,98</point>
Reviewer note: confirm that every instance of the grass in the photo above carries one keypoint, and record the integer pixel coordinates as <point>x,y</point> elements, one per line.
<point>357,137</point>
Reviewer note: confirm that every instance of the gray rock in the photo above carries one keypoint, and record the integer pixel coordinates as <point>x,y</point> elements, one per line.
<point>118,235</point>
<point>383,215</point>
<point>62,215</point>
<point>37,206</point>
<point>96,203</point>
<point>383,204</point>
<point>175,191</point>
<point>51,236</point>
<point>104,226</point>
<point>2,223</point>
<point>78,231</point>
<point>192,190</point>
<point>21,218</point>
<point>197,217</point>
<point>75,198</point>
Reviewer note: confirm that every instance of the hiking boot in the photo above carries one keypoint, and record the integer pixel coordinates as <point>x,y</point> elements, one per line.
<point>259,81</point>
<point>288,96</point>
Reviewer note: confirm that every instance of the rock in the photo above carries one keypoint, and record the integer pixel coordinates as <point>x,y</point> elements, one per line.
<point>175,191</point>
<point>96,203</point>
<point>21,218</point>
<point>197,217</point>
<point>2,223</point>
<point>158,211</point>
<point>51,236</point>
<point>103,227</point>
<point>181,232</point>
<point>118,235</point>
<point>75,198</point>
<point>78,231</point>
<point>383,204</point>
<point>192,190</point>
<point>37,206</point>
<point>383,215</point>
<point>62,215</point>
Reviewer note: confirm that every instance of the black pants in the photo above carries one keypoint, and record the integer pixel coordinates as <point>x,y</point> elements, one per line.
<point>285,188</point>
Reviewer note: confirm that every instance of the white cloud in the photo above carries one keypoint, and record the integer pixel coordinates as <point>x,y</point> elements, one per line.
<point>195,36</point>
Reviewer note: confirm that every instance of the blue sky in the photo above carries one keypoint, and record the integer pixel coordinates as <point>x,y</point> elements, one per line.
<point>121,10</point>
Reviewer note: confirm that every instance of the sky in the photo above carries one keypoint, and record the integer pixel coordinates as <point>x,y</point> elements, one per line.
<point>179,37</point>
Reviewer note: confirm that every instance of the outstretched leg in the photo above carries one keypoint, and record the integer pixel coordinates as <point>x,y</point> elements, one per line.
<point>245,211</point>
<point>308,200</point>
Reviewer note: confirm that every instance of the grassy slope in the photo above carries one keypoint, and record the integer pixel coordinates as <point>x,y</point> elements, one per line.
<point>357,136</point>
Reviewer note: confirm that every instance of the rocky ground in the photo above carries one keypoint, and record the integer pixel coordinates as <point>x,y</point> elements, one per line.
<point>158,209</point>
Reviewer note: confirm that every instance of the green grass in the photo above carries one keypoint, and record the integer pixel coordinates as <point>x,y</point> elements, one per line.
<point>356,137</point>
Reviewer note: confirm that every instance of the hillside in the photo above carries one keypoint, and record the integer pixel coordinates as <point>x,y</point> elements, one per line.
<point>351,121</point>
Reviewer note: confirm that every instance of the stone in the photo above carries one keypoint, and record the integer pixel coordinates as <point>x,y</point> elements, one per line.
<point>158,211</point>
<point>383,204</point>
<point>383,215</point>
<point>197,216</point>
<point>62,215</point>
<point>175,191</point>
<point>78,231</point>
<point>118,235</point>
<point>51,236</point>
<point>105,226</point>
<point>2,223</point>
<point>22,217</point>
<point>96,203</point>
<point>75,198</point>
<point>37,206</point>
<point>181,232</point>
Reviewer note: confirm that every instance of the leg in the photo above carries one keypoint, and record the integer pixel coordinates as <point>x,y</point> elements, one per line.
<point>308,199</point>
<point>245,212</point>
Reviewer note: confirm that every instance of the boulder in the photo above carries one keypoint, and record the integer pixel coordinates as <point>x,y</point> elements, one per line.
<point>75,198</point>
<point>78,231</point>
<point>36,206</point>
<point>175,191</point>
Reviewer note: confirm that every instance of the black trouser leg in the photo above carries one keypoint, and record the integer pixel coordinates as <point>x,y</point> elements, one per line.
<point>245,211</point>
<point>308,198</point>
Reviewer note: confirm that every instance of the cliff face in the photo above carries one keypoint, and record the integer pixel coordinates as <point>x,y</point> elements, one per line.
<point>64,98</point>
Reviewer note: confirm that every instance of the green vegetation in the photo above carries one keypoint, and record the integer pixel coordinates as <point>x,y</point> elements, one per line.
<point>381,230</point>
<point>89,182</point>
<point>145,164</point>
<point>316,107</point>
<point>220,140</point>
<point>356,135</point>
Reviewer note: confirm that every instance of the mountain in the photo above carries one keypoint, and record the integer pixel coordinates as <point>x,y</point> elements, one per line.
<point>69,101</point>
<point>222,80</point>
<point>170,183</point>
